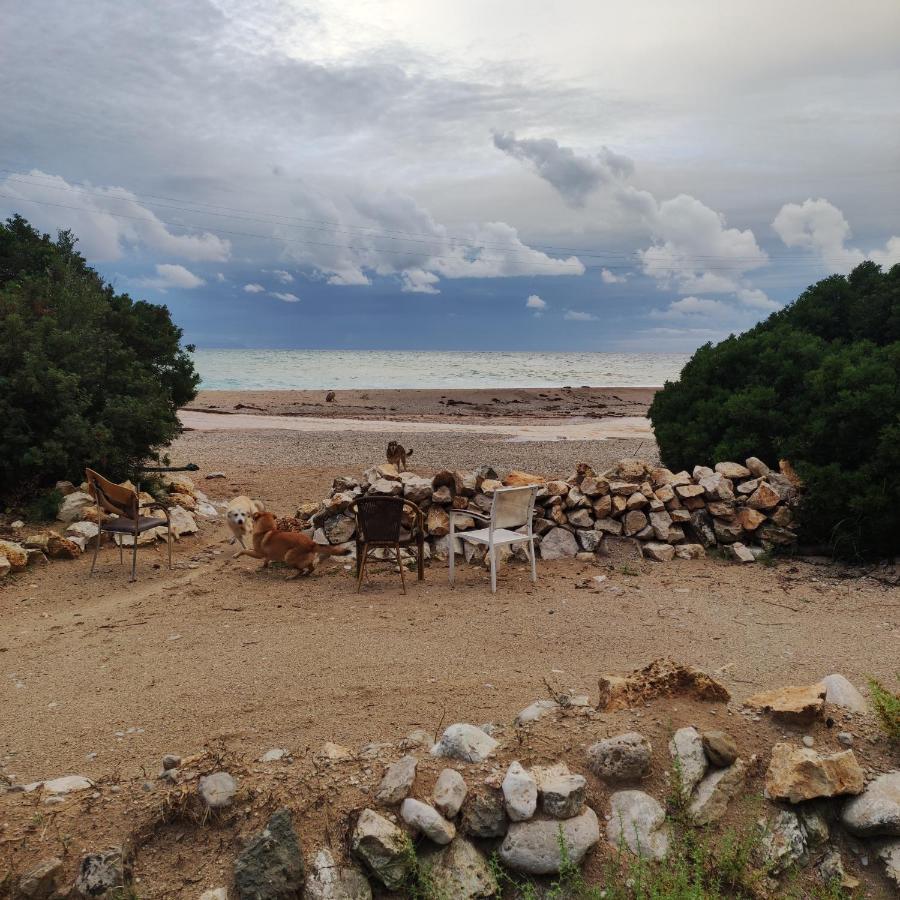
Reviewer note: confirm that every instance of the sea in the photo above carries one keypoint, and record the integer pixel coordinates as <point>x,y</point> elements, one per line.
<point>348,369</point>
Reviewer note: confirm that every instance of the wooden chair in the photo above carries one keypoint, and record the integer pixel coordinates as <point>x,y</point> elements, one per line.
<point>124,503</point>
<point>379,521</point>
<point>512,507</point>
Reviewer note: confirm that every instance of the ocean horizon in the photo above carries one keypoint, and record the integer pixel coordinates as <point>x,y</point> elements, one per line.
<point>262,369</point>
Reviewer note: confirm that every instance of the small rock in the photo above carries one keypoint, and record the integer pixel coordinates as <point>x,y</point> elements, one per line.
<point>382,847</point>
<point>519,793</point>
<point>785,843</point>
<point>625,757</point>
<point>876,811</point>
<point>218,893</point>
<point>742,553</point>
<point>686,747</point>
<point>562,793</point>
<point>710,800</point>
<point>840,692</point>
<point>329,881</point>
<point>213,475</point>
<point>171,761</point>
<point>757,467</point>
<point>335,752</point>
<point>484,815</point>
<point>464,742</point>
<point>449,793</point>
<point>73,506</point>
<point>69,784</point>
<point>39,883</point>
<point>460,871</point>
<point>427,820</point>
<point>533,847</point>
<point>397,781</point>
<point>275,755</point>
<point>808,741</point>
<point>101,872</point>
<point>271,865</point>
<point>796,774</point>
<point>845,738</point>
<point>658,551</point>
<point>535,711</point>
<point>217,790</point>
<point>889,853</point>
<point>558,544</point>
<point>832,871</point>
<point>638,821</point>
<point>795,705</point>
<point>720,748</point>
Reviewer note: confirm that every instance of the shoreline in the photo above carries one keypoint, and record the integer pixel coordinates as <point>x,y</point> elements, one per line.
<point>497,406</point>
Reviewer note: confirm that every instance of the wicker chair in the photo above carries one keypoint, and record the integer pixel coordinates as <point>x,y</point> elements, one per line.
<point>379,522</point>
<point>123,503</point>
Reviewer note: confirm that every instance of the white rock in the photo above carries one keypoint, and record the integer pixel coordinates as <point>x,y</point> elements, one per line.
<point>329,881</point>
<point>840,692</point>
<point>465,742</point>
<point>382,846</point>
<point>73,506</point>
<point>533,847</point>
<point>217,790</point>
<point>183,522</point>
<point>427,820</point>
<point>85,530</point>
<point>638,821</point>
<point>876,811</point>
<point>449,793</point>
<point>215,893</point>
<point>397,781</point>
<point>68,784</point>
<point>520,793</point>
<point>558,544</point>
<point>687,747</point>
<point>535,711</point>
<point>275,755</point>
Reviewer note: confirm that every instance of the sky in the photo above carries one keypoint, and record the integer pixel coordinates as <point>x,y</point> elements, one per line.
<point>422,174</point>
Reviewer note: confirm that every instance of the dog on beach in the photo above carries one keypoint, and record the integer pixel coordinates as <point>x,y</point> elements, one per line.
<point>239,517</point>
<point>288,547</point>
<point>396,455</point>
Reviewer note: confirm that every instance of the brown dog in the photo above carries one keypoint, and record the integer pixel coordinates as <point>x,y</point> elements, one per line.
<point>396,455</point>
<point>289,547</point>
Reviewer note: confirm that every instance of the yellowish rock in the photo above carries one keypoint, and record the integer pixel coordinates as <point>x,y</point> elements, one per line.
<point>797,705</point>
<point>796,774</point>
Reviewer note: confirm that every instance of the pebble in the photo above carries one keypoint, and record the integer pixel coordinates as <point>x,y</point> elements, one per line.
<point>217,790</point>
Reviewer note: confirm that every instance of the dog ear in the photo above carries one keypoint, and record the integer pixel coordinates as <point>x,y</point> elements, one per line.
<point>258,515</point>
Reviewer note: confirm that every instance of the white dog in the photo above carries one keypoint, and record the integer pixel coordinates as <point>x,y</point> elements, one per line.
<point>239,517</point>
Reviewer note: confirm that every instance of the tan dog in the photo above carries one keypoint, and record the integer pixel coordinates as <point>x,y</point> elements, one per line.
<point>239,517</point>
<point>289,547</point>
<point>396,455</point>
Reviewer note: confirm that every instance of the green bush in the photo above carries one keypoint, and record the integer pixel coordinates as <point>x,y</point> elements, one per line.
<point>817,383</point>
<point>88,377</point>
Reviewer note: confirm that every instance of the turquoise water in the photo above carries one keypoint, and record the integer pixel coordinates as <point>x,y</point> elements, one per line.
<point>345,369</point>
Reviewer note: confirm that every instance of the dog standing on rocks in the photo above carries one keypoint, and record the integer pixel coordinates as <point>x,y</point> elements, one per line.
<point>396,455</point>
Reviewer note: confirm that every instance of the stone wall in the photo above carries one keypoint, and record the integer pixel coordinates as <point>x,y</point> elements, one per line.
<point>743,508</point>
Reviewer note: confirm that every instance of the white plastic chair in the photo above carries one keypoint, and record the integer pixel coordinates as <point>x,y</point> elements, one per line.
<point>512,508</point>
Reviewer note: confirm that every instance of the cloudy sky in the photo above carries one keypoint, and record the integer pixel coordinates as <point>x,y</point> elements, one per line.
<point>485,174</point>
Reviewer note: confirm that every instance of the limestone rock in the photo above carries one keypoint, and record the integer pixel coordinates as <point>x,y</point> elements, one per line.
<point>217,790</point>
<point>608,526</point>
<point>876,811</point>
<point>339,528</point>
<point>562,793</point>
<point>637,821</point>
<point>519,793</point>
<point>329,881</point>
<point>795,705</point>
<point>522,479</point>
<point>533,847</point>
<point>732,470</point>
<point>271,865</point>
<point>558,544</point>
<point>437,521</point>
<point>686,746</point>
<point>625,757</point>
<point>464,742</point>
<point>658,551</point>
<point>799,773</point>
<point>661,678</point>
<point>15,555</point>
<point>712,795</point>
<point>73,506</point>
<point>397,781</point>
<point>750,519</point>
<point>449,793</point>
<point>690,551</point>
<point>580,518</point>
<point>536,711</point>
<point>720,748</point>
<point>727,532</point>
<point>39,882</point>
<point>889,853</point>
<point>416,488</point>
<point>785,843</point>
<point>427,820</point>
<point>381,846</point>
<point>840,692</point>
<point>742,553</point>
<point>831,868</point>
<point>764,497</point>
<point>460,871</point>
<point>757,467</point>
<point>102,874</point>
<point>183,522</point>
<point>634,522</point>
<point>68,784</point>
<point>484,814</point>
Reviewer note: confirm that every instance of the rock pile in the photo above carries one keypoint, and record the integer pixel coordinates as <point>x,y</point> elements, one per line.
<point>745,509</point>
<point>78,525</point>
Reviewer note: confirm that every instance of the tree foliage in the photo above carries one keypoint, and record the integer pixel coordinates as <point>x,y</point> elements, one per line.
<point>817,383</point>
<point>88,377</point>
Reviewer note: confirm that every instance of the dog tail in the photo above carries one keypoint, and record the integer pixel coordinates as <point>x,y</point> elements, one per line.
<point>258,506</point>
<point>335,550</point>
<point>409,452</point>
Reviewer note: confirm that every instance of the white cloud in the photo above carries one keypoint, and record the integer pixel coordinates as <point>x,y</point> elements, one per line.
<point>611,278</point>
<point>286,297</point>
<point>535,302</point>
<point>220,277</point>
<point>417,281</point>
<point>575,315</point>
<point>820,227</point>
<point>692,306</point>
<point>283,276</point>
<point>253,288</point>
<point>757,299</point>
<point>106,220</point>
<point>170,275</point>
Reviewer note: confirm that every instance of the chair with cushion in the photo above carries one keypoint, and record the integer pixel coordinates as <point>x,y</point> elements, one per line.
<point>123,504</point>
<point>512,507</point>
<point>379,525</point>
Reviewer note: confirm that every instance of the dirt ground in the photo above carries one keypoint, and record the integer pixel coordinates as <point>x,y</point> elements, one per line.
<point>99,677</point>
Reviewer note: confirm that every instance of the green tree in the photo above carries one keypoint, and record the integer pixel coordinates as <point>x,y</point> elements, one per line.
<point>817,383</point>
<point>88,377</point>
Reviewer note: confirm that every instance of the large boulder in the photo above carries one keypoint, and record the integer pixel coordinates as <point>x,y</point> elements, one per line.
<point>625,757</point>
<point>533,847</point>
<point>73,507</point>
<point>637,821</point>
<point>464,742</point>
<point>559,544</point>
<point>799,773</point>
<point>271,865</point>
<point>876,811</point>
<point>383,848</point>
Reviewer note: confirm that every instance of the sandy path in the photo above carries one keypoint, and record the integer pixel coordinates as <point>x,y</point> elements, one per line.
<point>561,429</point>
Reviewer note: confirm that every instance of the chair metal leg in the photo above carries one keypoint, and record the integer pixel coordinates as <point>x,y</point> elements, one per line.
<point>169,542</point>
<point>361,555</point>
<point>400,566</point>
<point>121,550</point>
<point>451,558</point>
<point>533,563</point>
<point>420,547</point>
<point>493,552</point>
<point>96,548</point>
<point>134,559</point>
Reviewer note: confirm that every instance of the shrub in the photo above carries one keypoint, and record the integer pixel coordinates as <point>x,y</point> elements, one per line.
<point>816,383</point>
<point>87,376</point>
<point>887,708</point>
